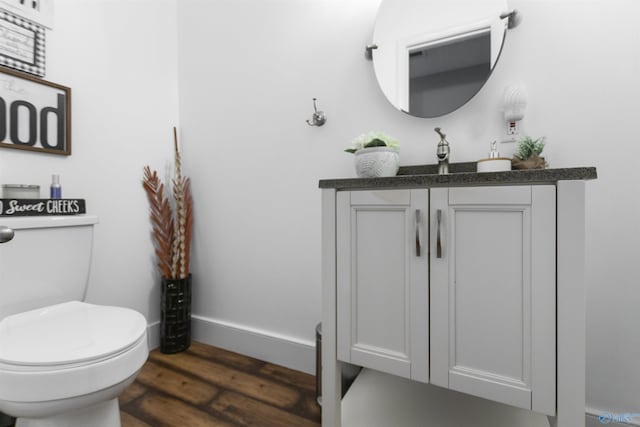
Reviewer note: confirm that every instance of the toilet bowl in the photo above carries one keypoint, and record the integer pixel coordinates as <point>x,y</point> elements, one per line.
<point>63,362</point>
<point>67,357</point>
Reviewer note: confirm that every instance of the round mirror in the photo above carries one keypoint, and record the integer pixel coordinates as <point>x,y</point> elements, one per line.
<point>433,56</point>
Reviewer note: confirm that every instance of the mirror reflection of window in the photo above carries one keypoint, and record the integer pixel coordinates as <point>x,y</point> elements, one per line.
<point>445,75</point>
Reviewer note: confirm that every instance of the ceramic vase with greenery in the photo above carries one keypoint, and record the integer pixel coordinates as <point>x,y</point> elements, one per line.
<point>172,224</point>
<point>376,155</point>
<point>528,154</point>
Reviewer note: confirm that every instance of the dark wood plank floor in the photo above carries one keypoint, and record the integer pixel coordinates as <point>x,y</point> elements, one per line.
<point>208,386</point>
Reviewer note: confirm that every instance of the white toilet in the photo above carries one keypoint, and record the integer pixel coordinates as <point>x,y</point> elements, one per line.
<point>63,362</point>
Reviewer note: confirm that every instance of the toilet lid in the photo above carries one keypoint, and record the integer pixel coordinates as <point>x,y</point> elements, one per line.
<point>68,333</point>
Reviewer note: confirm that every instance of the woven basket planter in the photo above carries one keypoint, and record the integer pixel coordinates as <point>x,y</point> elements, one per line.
<point>175,315</point>
<point>533,162</point>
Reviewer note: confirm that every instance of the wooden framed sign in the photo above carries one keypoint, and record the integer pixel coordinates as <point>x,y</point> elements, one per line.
<point>35,114</point>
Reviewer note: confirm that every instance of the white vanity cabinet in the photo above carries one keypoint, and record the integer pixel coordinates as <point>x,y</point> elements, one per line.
<point>485,277</point>
<point>477,289</point>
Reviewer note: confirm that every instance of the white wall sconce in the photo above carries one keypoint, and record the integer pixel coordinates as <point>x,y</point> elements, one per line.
<point>515,104</point>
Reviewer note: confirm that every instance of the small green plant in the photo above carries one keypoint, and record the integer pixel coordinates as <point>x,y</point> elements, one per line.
<point>372,139</point>
<point>529,147</point>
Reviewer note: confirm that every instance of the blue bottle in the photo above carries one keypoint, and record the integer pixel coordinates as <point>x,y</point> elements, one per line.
<point>56,189</point>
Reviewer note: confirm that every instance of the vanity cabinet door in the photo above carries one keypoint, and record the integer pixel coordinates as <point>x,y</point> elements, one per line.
<point>382,281</point>
<point>492,273</point>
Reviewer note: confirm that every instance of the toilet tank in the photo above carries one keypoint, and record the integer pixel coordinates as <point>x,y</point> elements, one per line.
<point>47,261</point>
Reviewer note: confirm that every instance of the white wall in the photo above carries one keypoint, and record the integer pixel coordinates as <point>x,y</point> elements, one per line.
<point>248,71</point>
<point>120,62</point>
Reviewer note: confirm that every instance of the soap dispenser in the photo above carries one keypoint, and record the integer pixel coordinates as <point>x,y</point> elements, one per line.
<point>494,163</point>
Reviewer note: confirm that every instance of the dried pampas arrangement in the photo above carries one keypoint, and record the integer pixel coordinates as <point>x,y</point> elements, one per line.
<point>171,231</point>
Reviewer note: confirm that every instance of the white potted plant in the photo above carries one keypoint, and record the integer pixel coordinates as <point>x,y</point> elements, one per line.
<point>376,155</point>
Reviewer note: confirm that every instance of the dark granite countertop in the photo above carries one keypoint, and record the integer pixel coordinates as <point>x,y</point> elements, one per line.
<point>462,174</point>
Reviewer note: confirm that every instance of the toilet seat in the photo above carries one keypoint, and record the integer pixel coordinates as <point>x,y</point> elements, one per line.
<point>69,349</point>
<point>67,334</point>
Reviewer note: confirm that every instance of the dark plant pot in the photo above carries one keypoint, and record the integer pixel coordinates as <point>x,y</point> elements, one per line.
<point>533,162</point>
<point>6,420</point>
<point>175,315</point>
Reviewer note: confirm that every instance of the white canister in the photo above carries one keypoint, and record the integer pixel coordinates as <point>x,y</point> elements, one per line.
<point>20,191</point>
<point>496,164</point>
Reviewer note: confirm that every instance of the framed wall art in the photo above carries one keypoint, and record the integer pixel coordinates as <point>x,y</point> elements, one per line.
<point>22,44</point>
<point>35,114</point>
<point>39,12</point>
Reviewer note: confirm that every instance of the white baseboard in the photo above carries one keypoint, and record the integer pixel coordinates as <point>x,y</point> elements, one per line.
<point>610,419</point>
<point>273,348</point>
<point>153,335</point>
<point>277,349</point>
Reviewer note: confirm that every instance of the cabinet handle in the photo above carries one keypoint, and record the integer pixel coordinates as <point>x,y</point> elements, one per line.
<point>438,240</point>
<point>418,243</point>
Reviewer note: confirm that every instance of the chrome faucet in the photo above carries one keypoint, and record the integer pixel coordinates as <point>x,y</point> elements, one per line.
<point>443,152</point>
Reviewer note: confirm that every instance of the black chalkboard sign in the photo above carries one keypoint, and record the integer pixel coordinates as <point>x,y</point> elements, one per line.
<point>41,207</point>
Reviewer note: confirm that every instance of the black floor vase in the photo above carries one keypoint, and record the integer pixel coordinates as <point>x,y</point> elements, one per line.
<point>175,315</point>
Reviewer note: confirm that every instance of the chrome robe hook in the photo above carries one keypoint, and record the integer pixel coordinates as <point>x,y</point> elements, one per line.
<point>318,118</point>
